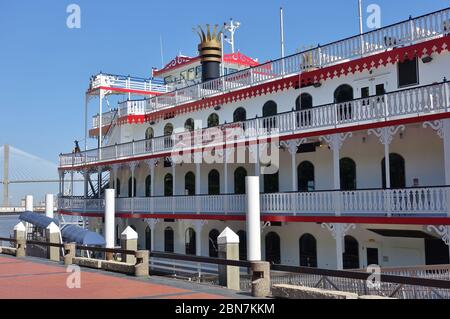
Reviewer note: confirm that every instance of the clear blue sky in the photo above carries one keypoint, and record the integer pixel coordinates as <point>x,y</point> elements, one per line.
<point>45,67</point>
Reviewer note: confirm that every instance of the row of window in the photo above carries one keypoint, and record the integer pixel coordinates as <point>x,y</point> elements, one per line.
<point>307,247</point>
<point>408,74</point>
<point>305,176</point>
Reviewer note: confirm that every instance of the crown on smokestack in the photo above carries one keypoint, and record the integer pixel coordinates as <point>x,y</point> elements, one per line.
<point>210,47</point>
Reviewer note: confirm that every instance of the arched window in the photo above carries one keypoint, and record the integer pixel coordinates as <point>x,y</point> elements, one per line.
<point>149,133</point>
<point>271,183</point>
<point>348,174</point>
<point>397,171</point>
<point>189,184</point>
<point>270,109</point>
<point>189,125</point>
<point>213,248</point>
<point>308,251</point>
<point>213,120</point>
<point>240,115</point>
<point>343,96</point>
<point>190,242</point>
<point>242,244</point>
<point>118,187</point>
<point>148,239</point>
<point>305,176</point>
<point>350,256</point>
<point>148,186</point>
<point>168,240</point>
<point>168,131</point>
<point>214,182</point>
<point>131,188</point>
<point>304,104</point>
<point>168,185</point>
<point>239,180</point>
<point>273,254</point>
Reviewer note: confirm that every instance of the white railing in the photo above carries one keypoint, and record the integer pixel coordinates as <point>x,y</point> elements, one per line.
<point>405,33</point>
<point>127,83</point>
<point>431,99</point>
<point>431,202</point>
<point>107,119</point>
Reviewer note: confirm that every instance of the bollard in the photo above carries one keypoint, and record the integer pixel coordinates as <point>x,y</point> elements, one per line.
<point>20,237</point>
<point>229,276</point>
<point>128,241</point>
<point>69,253</point>
<point>141,267</point>
<point>260,279</point>
<point>53,236</point>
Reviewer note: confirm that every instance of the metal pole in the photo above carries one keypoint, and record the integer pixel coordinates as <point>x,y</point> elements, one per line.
<point>282,32</point>
<point>100,124</point>
<point>222,68</point>
<point>85,121</point>
<point>361,30</point>
<point>6,176</point>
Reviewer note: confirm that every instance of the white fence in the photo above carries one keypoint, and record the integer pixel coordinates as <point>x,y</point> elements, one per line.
<point>432,202</point>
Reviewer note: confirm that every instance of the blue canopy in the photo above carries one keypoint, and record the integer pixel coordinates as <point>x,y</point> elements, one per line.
<point>38,220</point>
<point>81,236</point>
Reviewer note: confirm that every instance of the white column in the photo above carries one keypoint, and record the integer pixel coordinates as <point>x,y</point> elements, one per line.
<point>386,136</point>
<point>133,190</point>
<point>198,225</point>
<point>225,180</point>
<point>442,128</point>
<point>338,231</point>
<point>29,203</point>
<point>292,146</point>
<point>174,185</point>
<point>100,124</point>
<point>115,169</point>
<point>197,160</point>
<point>49,205</point>
<point>110,211</point>
<point>253,218</point>
<point>62,174</point>
<point>335,142</point>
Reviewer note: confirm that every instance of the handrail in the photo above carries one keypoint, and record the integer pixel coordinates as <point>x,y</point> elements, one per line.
<point>201,259</point>
<point>435,283</point>
<point>427,99</point>
<point>363,44</point>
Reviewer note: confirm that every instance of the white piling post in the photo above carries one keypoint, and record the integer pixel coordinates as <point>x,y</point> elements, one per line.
<point>110,212</point>
<point>253,218</point>
<point>49,205</point>
<point>29,203</point>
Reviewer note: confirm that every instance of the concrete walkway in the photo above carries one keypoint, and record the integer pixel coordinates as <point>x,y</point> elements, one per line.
<point>32,278</point>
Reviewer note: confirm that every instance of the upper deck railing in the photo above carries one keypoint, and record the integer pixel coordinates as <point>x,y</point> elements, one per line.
<point>121,82</point>
<point>409,103</point>
<point>404,33</point>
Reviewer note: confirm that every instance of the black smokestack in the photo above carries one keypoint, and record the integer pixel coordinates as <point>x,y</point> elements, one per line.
<point>210,49</point>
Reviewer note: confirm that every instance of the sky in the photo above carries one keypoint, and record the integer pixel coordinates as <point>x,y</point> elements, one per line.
<point>45,66</point>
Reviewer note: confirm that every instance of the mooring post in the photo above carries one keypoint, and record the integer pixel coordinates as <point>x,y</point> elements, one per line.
<point>141,267</point>
<point>128,241</point>
<point>229,276</point>
<point>69,253</point>
<point>53,236</point>
<point>20,233</point>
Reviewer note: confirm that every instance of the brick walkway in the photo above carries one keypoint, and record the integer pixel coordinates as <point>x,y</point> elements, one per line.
<point>32,278</point>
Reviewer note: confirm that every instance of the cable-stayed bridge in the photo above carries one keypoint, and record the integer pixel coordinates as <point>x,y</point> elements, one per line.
<point>22,174</point>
